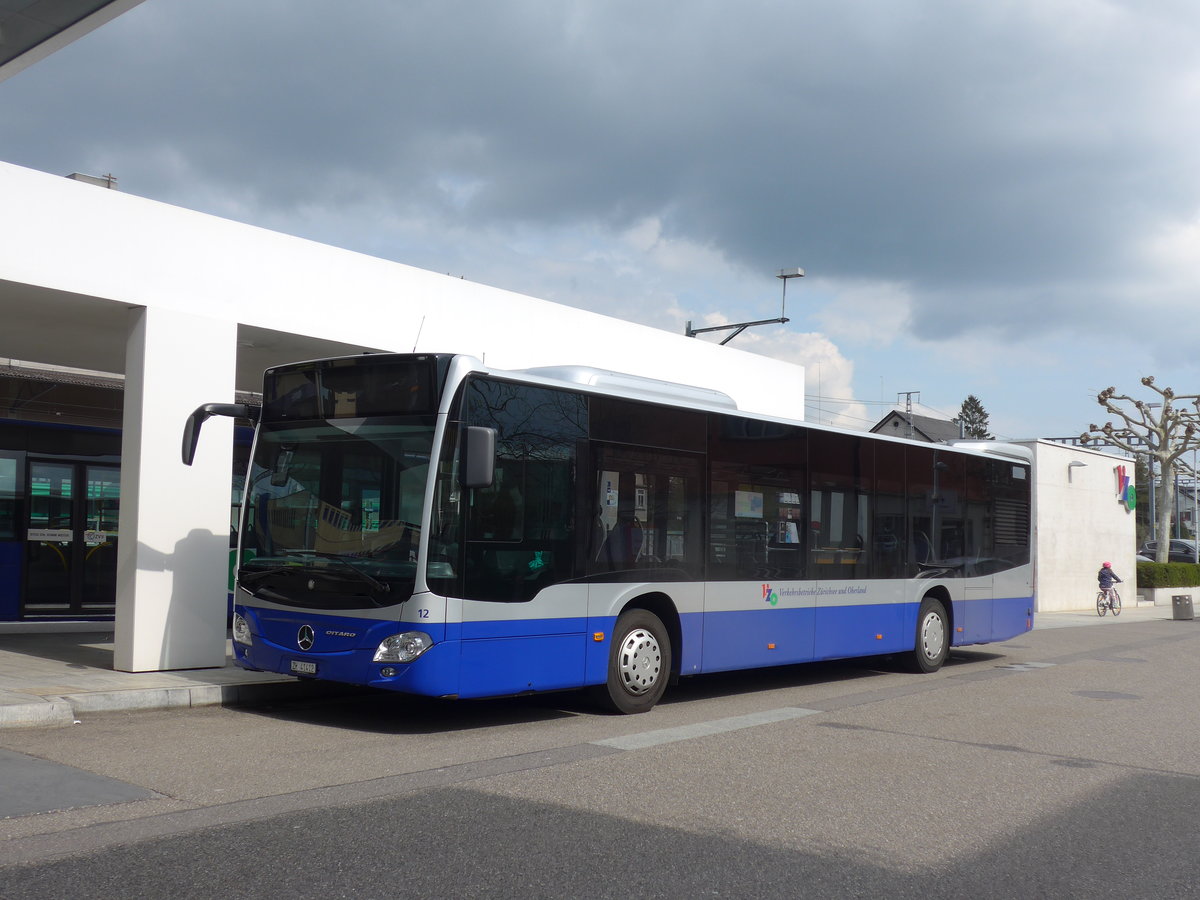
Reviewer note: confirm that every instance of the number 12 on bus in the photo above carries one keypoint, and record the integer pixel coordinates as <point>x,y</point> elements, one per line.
<point>424,524</point>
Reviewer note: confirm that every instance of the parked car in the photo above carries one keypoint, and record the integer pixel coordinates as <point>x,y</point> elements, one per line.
<point>1179,551</point>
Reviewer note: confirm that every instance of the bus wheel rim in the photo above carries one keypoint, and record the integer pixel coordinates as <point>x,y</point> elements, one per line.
<point>933,635</point>
<point>640,661</point>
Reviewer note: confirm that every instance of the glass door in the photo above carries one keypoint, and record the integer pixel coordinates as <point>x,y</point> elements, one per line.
<point>50,540</point>
<point>71,541</point>
<point>101,506</point>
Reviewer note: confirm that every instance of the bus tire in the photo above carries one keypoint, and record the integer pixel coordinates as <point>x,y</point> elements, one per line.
<point>639,664</point>
<point>932,644</point>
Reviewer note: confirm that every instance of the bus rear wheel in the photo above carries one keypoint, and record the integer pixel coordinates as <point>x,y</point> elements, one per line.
<point>933,637</point>
<point>639,664</point>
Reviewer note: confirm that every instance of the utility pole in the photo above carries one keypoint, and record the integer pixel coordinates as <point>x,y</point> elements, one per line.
<point>908,404</point>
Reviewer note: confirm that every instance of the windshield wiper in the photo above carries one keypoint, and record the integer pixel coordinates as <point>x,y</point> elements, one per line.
<point>256,574</point>
<point>375,583</point>
<point>249,580</point>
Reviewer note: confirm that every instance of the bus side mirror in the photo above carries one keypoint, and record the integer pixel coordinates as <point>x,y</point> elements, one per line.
<point>477,464</point>
<point>191,428</point>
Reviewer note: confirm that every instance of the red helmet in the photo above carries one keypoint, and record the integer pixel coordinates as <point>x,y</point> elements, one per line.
<point>1105,565</point>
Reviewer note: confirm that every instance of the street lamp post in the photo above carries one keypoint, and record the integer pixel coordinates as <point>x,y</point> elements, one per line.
<point>1153,492</point>
<point>1195,510</point>
<point>784,275</point>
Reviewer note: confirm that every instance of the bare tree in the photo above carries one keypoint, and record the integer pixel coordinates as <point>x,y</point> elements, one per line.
<point>1162,431</point>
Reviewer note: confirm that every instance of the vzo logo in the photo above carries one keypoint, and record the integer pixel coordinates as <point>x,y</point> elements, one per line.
<point>1126,491</point>
<point>770,596</point>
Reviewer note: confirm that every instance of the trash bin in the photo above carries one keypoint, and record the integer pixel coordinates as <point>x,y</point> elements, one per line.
<point>1181,606</point>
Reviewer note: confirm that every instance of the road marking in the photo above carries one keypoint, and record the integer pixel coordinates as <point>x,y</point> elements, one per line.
<point>704,729</point>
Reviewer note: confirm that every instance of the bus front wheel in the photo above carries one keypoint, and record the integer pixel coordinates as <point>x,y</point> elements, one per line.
<point>933,637</point>
<point>639,664</point>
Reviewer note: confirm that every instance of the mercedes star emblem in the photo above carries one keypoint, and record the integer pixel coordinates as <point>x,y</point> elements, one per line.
<point>305,637</point>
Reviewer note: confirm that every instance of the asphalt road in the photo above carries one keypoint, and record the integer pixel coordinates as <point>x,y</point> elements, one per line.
<point>1061,764</point>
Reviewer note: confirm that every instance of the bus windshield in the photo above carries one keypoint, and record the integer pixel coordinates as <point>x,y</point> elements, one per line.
<point>333,510</point>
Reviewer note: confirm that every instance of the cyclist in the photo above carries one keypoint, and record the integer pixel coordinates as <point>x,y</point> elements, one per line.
<point>1107,578</point>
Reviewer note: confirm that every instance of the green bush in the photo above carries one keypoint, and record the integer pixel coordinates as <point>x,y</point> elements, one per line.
<point>1167,575</point>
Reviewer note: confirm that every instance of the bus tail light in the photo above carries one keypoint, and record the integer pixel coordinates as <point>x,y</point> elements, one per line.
<point>403,647</point>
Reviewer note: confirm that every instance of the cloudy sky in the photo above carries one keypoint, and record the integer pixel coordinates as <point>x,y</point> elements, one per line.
<point>999,199</point>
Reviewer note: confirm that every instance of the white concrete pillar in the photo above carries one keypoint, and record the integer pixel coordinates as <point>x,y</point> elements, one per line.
<point>173,550</point>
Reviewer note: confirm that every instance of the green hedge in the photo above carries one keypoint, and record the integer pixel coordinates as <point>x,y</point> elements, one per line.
<point>1167,575</point>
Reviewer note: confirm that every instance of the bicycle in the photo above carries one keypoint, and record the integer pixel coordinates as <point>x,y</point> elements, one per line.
<point>1106,600</point>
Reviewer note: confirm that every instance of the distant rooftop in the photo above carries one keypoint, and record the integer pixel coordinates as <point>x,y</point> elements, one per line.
<point>917,428</point>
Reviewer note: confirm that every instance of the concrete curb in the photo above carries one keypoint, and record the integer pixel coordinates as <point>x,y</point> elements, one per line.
<point>53,712</point>
<point>48,713</point>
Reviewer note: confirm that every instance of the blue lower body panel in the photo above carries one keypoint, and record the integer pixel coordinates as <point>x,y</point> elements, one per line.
<point>503,666</point>
<point>770,637</point>
<point>754,638</point>
<point>505,657</point>
<point>1011,616</point>
<point>868,630</point>
<point>343,649</point>
<point>972,621</point>
<point>478,659</point>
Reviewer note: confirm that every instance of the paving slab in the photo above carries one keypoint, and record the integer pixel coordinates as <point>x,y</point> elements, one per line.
<point>34,785</point>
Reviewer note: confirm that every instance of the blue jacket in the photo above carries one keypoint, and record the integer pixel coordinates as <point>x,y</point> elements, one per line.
<point>1106,577</point>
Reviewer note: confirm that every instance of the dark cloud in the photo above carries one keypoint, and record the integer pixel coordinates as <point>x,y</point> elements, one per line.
<point>970,151</point>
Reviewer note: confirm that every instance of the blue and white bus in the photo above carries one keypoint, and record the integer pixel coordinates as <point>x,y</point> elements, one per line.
<point>425,524</point>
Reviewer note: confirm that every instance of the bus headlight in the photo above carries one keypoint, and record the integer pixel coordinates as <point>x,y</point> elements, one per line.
<point>241,630</point>
<point>403,647</point>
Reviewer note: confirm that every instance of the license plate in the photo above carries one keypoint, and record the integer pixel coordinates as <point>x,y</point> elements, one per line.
<point>303,667</point>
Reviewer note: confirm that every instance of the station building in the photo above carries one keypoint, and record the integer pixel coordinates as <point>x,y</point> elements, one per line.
<point>1083,513</point>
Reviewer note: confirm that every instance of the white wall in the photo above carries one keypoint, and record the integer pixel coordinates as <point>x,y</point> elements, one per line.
<point>1079,523</point>
<point>173,547</point>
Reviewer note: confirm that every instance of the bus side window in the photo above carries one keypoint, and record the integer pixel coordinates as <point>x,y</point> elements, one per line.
<point>648,513</point>
<point>520,528</point>
<point>889,537</point>
<point>843,479</point>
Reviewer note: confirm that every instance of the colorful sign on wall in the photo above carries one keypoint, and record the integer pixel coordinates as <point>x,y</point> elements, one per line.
<point>1126,491</point>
